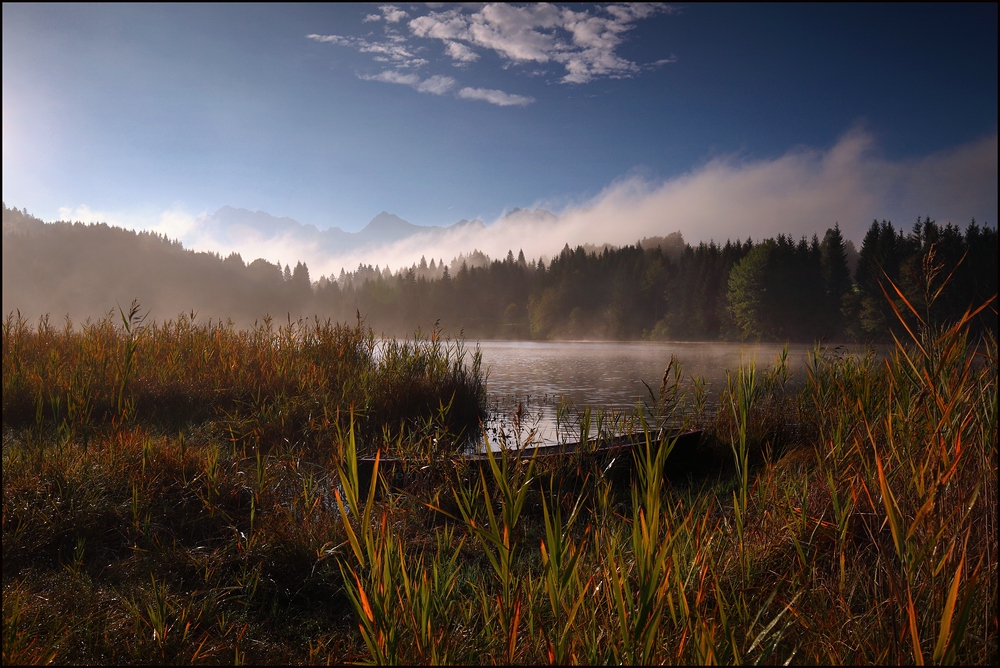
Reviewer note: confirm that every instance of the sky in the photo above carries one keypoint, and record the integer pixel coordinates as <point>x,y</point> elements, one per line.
<point>626,121</point>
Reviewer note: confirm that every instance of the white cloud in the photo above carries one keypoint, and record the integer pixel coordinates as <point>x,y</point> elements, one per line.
<point>392,76</point>
<point>460,52</point>
<point>435,85</point>
<point>85,214</point>
<point>331,39</point>
<point>583,43</point>
<point>440,85</point>
<point>800,193</point>
<point>392,51</point>
<point>175,223</point>
<point>392,13</point>
<point>493,96</point>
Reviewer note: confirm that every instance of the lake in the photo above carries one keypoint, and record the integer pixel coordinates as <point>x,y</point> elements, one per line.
<point>605,374</point>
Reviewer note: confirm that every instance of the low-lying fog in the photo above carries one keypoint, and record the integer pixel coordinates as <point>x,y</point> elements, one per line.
<point>800,193</point>
<point>601,375</point>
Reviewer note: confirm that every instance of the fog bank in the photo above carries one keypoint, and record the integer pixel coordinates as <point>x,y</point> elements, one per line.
<point>801,192</point>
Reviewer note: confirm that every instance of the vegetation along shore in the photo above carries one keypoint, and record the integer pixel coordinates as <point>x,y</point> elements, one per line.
<point>660,288</point>
<point>188,493</point>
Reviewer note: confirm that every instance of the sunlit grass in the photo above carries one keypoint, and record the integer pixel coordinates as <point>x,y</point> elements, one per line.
<point>201,502</point>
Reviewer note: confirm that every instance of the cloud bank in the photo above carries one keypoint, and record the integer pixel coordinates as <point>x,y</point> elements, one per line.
<point>800,193</point>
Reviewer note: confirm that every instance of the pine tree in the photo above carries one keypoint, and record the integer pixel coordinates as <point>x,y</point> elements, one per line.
<point>836,280</point>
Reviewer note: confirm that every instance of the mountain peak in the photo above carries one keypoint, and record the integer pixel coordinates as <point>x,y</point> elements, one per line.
<point>259,220</point>
<point>387,221</point>
<point>465,222</point>
<point>538,214</point>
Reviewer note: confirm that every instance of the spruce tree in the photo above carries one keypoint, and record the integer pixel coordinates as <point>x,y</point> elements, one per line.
<point>836,280</point>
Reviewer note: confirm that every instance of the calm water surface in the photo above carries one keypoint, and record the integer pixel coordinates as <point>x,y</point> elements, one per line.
<point>603,374</point>
<point>599,373</point>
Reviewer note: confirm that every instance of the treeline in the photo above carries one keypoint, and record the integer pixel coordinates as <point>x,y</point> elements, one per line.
<point>84,270</point>
<point>777,289</point>
<point>660,288</point>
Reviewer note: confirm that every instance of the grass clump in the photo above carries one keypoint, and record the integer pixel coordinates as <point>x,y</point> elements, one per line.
<point>854,520</point>
<point>267,386</point>
<point>167,487</point>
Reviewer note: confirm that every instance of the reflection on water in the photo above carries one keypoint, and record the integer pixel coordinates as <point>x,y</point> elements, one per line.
<point>612,373</point>
<point>539,375</point>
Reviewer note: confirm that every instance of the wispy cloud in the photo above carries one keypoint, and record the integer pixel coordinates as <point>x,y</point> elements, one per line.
<point>391,14</point>
<point>436,85</point>
<point>664,61</point>
<point>84,214</point>
<point>392,76</point>
<point>583,44</point>
<point>493,96</point>
<point>174,223</point>
<point>391,51</point>
<point>394,53</point>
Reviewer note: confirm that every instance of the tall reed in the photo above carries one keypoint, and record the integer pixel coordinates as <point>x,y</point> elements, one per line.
<point>853,521</point>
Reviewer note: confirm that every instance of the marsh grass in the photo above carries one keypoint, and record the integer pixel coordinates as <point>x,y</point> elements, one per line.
<point>265,387</point>
<point>851,521</point>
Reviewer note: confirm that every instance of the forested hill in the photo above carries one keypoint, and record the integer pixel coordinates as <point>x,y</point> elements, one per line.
<point>777,289</point>
<point>85,271</point>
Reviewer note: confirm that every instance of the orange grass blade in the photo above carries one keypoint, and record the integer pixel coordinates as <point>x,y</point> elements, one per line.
<point>351,536</point>
<point>512,641</point>
<point>890,509</point>
<point>948,612</point>
<point>918,656</point>
<point>924,510</point>
<point>364,598</point>
<point>900,317</point>
<point>903,297</point>
<point>963,616</point>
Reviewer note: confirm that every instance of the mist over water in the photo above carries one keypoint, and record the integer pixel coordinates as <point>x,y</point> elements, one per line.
<point>605,374</point>
<point>608,373</point>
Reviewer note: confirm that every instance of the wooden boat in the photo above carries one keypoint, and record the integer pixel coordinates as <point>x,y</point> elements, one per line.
<point>610,454</point>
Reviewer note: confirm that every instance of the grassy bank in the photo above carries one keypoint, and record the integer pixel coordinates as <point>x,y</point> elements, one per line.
<point>185,493</point>
<point>297,384</point>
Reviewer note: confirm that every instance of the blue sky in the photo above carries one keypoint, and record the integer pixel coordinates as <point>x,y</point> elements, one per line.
<point>151,115</point>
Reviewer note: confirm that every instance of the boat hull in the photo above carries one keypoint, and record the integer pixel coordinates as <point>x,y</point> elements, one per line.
<point>615,456</point>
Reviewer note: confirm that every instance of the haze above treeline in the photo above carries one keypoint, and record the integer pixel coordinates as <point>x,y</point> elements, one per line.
<point>778,288</point>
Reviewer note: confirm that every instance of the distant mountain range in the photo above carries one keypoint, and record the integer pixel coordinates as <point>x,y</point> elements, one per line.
<point>233,226</point>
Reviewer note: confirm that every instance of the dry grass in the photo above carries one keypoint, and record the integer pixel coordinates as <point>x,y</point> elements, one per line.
<point>855,523</point>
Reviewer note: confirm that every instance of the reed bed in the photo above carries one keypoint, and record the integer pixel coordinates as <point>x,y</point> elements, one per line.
<point>268,386</point>
<point>852,521</point>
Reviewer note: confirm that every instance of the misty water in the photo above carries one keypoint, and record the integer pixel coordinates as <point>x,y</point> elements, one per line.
<point>539,376</point>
